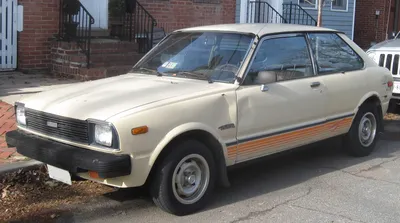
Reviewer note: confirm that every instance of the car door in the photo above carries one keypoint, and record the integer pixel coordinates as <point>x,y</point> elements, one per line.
<point>281,101</point>
<point>342,71</point>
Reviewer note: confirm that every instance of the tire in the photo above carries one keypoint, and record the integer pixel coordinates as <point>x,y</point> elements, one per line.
<point>197,185</point>
<point>360,141</point>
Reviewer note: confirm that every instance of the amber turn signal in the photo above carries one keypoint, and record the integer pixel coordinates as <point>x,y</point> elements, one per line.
<point>94,175</point>
<point>140,130</point>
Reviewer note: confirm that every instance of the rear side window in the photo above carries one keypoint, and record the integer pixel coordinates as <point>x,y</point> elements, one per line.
<point>333,55</point>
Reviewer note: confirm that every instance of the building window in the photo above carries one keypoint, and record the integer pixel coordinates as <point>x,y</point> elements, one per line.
<point>339,5</point>
<point>207,1</point>
<point>308,3</point>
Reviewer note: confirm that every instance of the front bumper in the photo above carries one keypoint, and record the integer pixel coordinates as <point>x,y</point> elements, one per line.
<point>73,159</point>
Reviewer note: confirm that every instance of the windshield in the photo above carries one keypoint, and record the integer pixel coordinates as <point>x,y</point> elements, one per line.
<point>211,56</point>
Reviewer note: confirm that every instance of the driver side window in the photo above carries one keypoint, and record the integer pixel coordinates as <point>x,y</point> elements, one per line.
<point>280,59</point>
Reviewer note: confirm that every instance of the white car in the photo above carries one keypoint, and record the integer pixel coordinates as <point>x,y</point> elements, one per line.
<point>203,99</point>
<point>387,54</point>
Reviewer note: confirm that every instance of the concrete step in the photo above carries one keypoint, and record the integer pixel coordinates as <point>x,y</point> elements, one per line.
<point>95,32</point>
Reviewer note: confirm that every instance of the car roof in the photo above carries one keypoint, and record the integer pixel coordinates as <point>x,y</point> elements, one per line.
<point>259,29</point>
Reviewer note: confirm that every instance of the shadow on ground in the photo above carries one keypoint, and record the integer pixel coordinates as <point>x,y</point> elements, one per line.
<point>247,181</point>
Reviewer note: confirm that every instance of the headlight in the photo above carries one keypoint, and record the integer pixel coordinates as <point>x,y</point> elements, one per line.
<point>20,114</point>
<point>103,134</point>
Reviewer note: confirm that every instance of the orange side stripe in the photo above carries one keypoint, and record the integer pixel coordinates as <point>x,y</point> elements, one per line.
<point>287,139</point>
<point>280,142</point>
<point>270,147</point>
<point>283,135</point>
<point>271,141</point>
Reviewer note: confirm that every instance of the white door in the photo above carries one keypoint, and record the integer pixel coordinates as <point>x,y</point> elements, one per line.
<point>8,34</point>
<point>286,113</point>
<point>250,7</point>
<point>99,10</point>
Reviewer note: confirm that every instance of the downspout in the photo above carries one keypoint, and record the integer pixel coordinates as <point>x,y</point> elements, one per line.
<point>388,18</point>
<point>396,17</point>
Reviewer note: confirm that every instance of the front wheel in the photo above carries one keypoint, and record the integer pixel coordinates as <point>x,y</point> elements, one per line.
<point>363,135</point>
<point>185,179</point>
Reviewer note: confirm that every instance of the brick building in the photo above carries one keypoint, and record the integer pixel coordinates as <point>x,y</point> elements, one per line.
<point>376,21</point>
<point>102,38</point>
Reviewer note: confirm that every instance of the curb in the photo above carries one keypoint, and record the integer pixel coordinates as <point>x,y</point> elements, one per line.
<point>26,165</point>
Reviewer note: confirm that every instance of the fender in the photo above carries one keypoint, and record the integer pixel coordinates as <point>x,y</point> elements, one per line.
<point>179,130</point>
<point>365,97</point>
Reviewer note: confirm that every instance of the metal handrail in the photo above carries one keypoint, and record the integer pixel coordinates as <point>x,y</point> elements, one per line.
<point>76,25</point>
<point>263,12</point>
<point>294,13</point>
<point>138,26</point>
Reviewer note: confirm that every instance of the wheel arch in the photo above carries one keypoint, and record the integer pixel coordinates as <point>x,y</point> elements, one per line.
<point>373,98</point>
<point>199,132</point>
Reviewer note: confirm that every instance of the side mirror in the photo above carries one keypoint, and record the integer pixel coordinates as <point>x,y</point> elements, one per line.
<point>264,78</point>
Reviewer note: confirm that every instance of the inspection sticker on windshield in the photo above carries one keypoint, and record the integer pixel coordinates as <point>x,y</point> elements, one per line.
<point>165,64</point>
<point>169,65</point>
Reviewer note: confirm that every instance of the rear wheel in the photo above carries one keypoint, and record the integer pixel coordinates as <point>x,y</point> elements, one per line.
<point>185,179</point>
<point>363,135</point>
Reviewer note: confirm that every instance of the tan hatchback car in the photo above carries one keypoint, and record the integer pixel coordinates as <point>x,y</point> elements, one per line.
<point>203,99</point>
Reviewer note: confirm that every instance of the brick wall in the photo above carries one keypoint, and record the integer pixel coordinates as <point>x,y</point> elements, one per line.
<point>41,19</point>
<point>367,28</point>
<point>41,22</point>
<point>176,14</point>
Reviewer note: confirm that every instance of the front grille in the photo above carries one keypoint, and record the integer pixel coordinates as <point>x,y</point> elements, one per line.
<point>390,61</point>
<point>56,126</point>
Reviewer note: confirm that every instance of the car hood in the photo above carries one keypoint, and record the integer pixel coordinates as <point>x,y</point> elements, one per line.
<point>102,99</point>
<point>393,44</point>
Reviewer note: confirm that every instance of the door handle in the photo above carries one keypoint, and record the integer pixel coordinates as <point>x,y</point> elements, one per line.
<point>315,84</point>
<point>264,88</point>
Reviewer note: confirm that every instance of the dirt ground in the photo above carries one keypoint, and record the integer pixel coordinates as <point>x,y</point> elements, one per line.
<point>28,195</point>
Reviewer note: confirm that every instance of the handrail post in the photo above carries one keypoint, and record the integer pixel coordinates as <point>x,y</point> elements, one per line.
<point>152,34</point>
<point>130,26</point>
<point>290,12</point>
<point>259,11</point>
<point>88,46</point>
<point>60,28</point>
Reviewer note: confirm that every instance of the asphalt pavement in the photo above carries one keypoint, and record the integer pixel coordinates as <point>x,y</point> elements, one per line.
<point>319,184</point>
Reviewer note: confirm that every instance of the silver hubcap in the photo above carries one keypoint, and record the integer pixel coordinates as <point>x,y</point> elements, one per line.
<point>367,129</point>
<point>190,179</point>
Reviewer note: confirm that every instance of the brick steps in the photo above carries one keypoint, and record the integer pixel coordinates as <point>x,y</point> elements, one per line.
<point>114,59</point>
<point>108,58</point>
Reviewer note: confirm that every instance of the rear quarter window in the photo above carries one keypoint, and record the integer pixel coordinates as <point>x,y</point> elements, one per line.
<point>333,54</point>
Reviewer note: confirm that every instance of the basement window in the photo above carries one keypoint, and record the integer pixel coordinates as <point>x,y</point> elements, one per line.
<point>207,1</point>
<point>309,4</point>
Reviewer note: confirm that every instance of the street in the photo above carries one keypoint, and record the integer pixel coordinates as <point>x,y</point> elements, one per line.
<point>320,184</point>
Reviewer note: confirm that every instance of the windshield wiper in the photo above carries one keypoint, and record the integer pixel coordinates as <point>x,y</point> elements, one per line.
<point>148,70</point>
<point>196,75</point>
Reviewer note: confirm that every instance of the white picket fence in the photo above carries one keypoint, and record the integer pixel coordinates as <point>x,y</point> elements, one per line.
<point>8,35</point>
